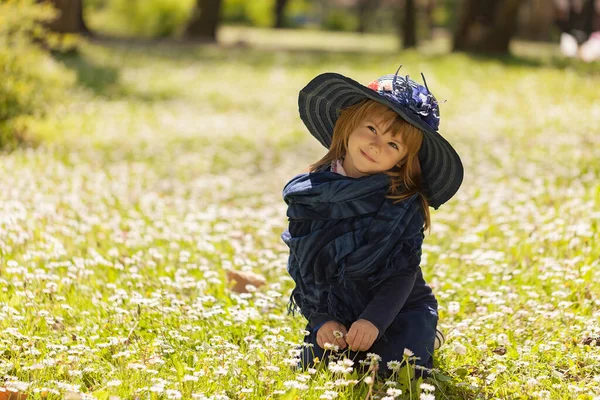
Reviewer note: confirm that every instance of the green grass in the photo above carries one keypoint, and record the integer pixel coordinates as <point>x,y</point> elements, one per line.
<point>165,168</point>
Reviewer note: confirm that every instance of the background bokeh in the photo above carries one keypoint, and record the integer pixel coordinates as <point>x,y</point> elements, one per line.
<point>145,145</point>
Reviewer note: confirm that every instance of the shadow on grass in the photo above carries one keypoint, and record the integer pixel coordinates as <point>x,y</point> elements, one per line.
<point>104,80</point>
<point>451,389</point>
<point>243,53</point>
<point>259,56</point>
<point>530,62</point>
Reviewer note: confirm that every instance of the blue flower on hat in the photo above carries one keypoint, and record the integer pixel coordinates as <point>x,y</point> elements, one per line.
<point>408,93</point>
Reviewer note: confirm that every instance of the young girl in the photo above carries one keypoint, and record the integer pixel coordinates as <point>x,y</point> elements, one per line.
<point>356,219</point>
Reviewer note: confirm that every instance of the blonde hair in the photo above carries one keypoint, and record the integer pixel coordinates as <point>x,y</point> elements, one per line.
<point>405,177</point>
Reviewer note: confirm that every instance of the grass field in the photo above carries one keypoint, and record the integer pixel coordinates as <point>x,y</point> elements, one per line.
<point>165,167</point>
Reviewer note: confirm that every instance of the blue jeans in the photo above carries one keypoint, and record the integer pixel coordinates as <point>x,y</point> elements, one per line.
<point>411,329</point>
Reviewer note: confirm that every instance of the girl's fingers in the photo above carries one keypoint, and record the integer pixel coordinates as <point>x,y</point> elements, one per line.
<point>340,341</point>
<point>330,338</point>
<point>363,342</point>
<point>359,340</point>
<point>368,342</point>
<point>351,338</point>
<point>327,336</point>
<point>322,338</point>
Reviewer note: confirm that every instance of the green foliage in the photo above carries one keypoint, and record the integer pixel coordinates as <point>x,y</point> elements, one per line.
<point>298,12</point>
<point>261,13</point>
<point>446,14</point>
<point>94,4</point>
<point>340,20</point>
<point>168,172</point>
<point>30,77</point>
<point>150,18</point>
<point>256,12</point>
<point>235,11</point>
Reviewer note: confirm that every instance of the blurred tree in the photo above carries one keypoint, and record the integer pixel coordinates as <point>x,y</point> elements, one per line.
<point>205,20</point>
<point>280,13</point>
<point>578,17</point>
<point>406,17</point>
<point>365,10</point>
<point>70,17</point>
<point>409,26</point>
<point>535,20</point>
<point>429,8</point>
<point>486,26</point>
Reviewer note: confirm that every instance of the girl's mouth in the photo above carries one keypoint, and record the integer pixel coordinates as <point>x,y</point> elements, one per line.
<point>366,156</point>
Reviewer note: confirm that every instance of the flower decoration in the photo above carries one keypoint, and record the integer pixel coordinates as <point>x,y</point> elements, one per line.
<point>408,93</point>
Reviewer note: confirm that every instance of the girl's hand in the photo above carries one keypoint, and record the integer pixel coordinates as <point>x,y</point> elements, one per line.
<point>362,335</point>
<point>325,334</point>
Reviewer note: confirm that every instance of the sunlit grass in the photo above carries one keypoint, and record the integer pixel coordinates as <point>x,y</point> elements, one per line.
<point>165,169</point>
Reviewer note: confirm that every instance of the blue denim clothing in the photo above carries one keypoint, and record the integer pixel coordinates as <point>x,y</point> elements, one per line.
<point>398,293</point>
<point>345,239</point>
<point>411,329</point>
<point>355,254</point>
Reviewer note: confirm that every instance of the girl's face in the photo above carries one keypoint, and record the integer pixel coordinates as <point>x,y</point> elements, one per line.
<point>372,149</point>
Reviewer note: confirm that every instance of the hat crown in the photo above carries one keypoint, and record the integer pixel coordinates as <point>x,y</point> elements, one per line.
<point>412,96</point>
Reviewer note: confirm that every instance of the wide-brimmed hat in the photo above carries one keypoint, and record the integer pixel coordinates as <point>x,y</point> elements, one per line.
<point>322,99</point>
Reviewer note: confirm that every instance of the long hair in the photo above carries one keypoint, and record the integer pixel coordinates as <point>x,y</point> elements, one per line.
<point>405,177</point>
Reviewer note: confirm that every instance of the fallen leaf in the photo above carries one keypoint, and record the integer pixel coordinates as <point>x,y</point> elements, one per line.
<point>243,278</point>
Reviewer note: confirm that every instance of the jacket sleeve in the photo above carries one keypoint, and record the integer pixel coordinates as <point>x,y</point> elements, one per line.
<point>389,300</point>
<point>391,295</point>
<point>317,320</point>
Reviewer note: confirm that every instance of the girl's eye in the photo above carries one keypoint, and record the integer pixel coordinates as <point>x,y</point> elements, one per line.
<point>375,132</point>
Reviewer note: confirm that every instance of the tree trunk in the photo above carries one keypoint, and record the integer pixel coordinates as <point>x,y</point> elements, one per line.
<point>365,10</point>
<point>280,13</point>
<point>486,26</point>
<point>409,27</point>
<point>70,18</point>
<point>578,17</point>
<point>362,8</point>
<point>536,19</point>
<point>429,17</point>
<point>205,20</point>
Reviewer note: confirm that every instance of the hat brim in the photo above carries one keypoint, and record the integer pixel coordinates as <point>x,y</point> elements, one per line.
<point>321,101</point>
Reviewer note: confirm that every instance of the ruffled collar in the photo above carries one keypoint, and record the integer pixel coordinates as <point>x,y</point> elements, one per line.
<point>337,167</point>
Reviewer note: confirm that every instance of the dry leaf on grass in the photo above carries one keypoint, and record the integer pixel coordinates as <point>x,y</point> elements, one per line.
<point>8,394</point>
<point>243,278</point>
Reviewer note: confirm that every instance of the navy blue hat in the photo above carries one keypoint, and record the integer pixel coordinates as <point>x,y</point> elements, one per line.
<point>322,99</point>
